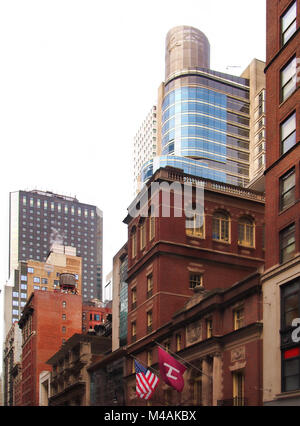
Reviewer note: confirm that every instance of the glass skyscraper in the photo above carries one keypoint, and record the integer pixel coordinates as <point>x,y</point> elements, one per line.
<point>204,114</point>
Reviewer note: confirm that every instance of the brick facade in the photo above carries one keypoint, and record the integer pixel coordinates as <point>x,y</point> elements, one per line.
<point>170,259</point>
<point>48,320</point>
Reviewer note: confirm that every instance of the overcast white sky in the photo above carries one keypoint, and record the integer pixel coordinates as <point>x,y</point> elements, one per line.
<point>77,77</point>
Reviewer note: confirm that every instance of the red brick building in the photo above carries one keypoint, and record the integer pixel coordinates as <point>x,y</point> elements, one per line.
<point>93,313</point>
<point>169,262</point>
<point>281,280</point>
<point>48,320</point>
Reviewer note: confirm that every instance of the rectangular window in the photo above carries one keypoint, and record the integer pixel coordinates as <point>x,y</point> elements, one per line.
<point>209,325</point>
<point>287,189</point>
<point>288,79</point>
<point>197,391</point>
<point>133,298</point>
<point>178,342</point>
<point>149,358</point>
<point>290,304</point>
<point>15,294</point>
<point>133,245</point>
<point>23,277</point>
<point>238,388</point>
<point>44,280</point>
<point>291,370</point>
<point>238,318</point>
<point>142,236</point>
<point>133,331</point>
<point>196,280</point>
<point>290,309</point>
<point>287,243</point>
<point>149,286</point>
<point>149,321</point>
<point>36,280</point>
<point>30,270</point>
<point>23,286</point>
<point>96,317</point>
<point>23,296</point>
<point>36,287</point>
<point>151,228</point>
<point>288,23</point>
<point>31,202</point>
<point>288,133</point>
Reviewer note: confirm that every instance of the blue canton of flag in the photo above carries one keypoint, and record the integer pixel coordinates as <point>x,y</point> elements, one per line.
<point>146,381</point>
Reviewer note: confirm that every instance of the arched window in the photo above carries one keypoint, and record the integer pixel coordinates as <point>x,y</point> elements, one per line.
<point>133,242</point>
<point>246,232</point>
<point>221,226</point>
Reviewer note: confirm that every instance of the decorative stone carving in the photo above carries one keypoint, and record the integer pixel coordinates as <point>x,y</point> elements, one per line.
<point>194,333</point>
<point>238,354</point>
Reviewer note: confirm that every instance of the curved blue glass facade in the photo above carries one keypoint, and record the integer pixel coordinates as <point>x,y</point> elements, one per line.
<point>205,130</point>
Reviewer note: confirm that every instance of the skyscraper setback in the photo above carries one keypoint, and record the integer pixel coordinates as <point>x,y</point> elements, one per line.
<point>39,219</point>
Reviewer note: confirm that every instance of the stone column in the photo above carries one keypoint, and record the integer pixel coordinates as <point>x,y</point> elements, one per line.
<point>217,379</point>
<point>205,382</point>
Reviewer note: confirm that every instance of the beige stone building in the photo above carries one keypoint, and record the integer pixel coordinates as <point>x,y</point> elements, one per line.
<point>70,380</point>
<point>257,146</point>
<point>120,299</point>
<point>145,145</point>
<point>35,275</point>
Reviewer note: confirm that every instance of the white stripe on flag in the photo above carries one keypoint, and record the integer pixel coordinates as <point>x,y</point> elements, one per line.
<point>140,387</point>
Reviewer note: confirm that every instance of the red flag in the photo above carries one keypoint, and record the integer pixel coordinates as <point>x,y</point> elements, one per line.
<point>171,371</point>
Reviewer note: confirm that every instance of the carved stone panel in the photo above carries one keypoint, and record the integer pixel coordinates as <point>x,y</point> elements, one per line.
<point>238,354</point>
<point>193,333</point>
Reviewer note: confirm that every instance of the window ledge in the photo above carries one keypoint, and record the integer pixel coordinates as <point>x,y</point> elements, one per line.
<point>221,241</point>
<point>288,207</point>
<point>283,102</point>
<point>246,247</point>
<point>290,394</point>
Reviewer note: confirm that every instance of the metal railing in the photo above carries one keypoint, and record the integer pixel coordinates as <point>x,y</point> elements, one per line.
<point>233,402</point>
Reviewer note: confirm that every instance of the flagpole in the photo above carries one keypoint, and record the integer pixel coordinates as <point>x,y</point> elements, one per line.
<point>182,359</point>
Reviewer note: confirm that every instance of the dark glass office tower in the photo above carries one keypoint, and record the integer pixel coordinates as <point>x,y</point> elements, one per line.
<point>204,114</point>
<point>38,219</point>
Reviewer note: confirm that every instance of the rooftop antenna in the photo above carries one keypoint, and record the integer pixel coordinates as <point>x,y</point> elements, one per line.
<point>233,66</point>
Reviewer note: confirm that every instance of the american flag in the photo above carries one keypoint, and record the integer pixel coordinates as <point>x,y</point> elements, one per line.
<point>146,381</point>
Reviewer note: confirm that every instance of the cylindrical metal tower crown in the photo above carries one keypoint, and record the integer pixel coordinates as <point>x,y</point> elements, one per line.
<point>186,48</point>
